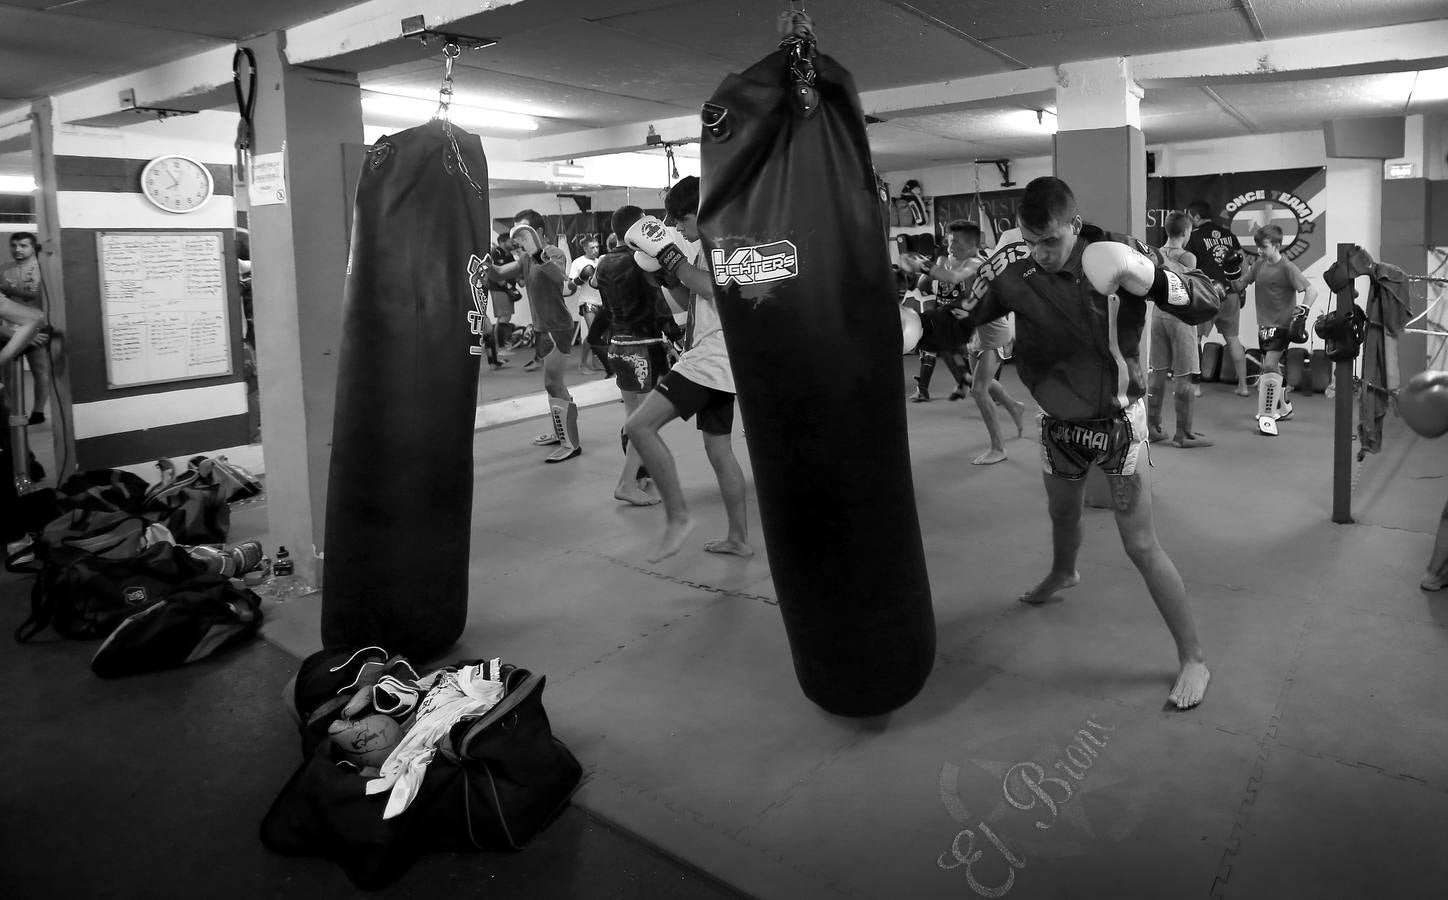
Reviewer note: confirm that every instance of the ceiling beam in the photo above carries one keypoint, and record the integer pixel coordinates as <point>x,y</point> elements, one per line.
<point>374,22</point>
<point>195,76</point>
<point>615,139</point>
<point>1392,48</point>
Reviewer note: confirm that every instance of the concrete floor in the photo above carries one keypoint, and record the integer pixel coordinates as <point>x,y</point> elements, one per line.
<point>1313,769</point>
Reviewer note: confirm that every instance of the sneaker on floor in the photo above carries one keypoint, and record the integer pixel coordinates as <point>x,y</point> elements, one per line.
<point>1286,412</point>
<point>920,396</point>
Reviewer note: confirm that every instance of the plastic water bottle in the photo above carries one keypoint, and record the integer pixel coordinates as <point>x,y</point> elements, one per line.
<point>282,582</point>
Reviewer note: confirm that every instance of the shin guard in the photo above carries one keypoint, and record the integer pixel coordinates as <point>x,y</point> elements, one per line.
<point>565,422</point>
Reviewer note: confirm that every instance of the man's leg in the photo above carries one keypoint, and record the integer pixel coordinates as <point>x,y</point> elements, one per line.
<point>1239,361</point>
<point>39,360</point>
<point>555,368</point>
<point>922,380</point>
<point>956,365</point>
<point>982,388</point>
<point>1155,398</point>
<point>628,489</point>
<point>1185,398</point>
<point>642,428</point>
<point>1437,577</point>
<point>1064,501</point>
<point>1131,501</point>
<point>720,450</point>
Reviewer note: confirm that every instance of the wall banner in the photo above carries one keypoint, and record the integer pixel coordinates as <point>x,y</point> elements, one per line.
<point>1245,201</point>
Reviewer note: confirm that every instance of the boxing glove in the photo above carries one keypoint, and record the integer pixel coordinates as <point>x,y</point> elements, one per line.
<point>584,276</point>
<point>1110,266</point>
<point>914,263</point>
<point>1232,265</point>
<point>925,286</point>
<point>663,247</point>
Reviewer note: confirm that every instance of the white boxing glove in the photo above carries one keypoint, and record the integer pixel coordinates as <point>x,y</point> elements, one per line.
<point>1111,266</point>
<point>664,247</point>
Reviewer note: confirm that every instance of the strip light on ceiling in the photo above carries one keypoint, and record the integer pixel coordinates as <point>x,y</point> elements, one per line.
<point>420,109</point>
<point>16,184</point>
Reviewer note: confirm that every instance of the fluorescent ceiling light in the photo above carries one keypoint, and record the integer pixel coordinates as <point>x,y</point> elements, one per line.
<point>569,170</point>
<point>419,110</point>
<point>16,184</point>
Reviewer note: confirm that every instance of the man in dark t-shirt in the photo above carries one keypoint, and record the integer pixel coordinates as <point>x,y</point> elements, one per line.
<point>1219,257</point>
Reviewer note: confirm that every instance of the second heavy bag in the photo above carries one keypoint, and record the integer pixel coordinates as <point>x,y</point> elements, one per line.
<point>400,490</point>
<point>793,226</point>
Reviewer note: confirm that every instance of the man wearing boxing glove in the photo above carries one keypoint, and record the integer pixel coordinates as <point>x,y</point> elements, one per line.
<point>580,273</point>
<point>540,265</point>
<point>1080,298</point>
<point>637,348</point>
<point>941,342</point>
<point>1278,281</point>
<point>987,346</point>
<point>1219,256</point>
<point>701,382</point>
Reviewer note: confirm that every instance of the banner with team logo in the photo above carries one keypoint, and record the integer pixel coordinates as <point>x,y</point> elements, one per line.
<point>1243,201</point>
<point>1246,201</point>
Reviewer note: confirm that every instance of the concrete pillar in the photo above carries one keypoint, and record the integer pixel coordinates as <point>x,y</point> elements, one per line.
<point>1100,152</point>
<point>299,264</point>
<point>1099,148</point>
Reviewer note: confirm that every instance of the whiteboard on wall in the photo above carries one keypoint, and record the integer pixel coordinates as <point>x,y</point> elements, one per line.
<point>163,306</point>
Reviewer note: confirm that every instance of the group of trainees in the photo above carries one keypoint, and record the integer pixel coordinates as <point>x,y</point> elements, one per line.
<point>1282,297</point>
<point>1078,295</point>
<point>632,326</point>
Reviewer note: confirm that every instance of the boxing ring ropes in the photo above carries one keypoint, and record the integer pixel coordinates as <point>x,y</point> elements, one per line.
<point>1345,473</point>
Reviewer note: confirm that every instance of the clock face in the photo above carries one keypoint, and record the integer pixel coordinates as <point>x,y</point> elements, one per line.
<point>176,184</point>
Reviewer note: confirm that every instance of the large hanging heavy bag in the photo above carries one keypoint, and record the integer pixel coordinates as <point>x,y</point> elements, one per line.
<point>400,488</point>
<point>793,222</point>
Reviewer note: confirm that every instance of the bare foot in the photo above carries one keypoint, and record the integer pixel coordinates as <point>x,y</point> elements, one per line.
<point>1191,685</point>
<point>1187,441</point>
<point>675,533</point>
<point>1049,587</point>
<point>1432,583</point>
<point>1242,391</point>
<point>989,457</point>
<point>1017,409</point>
<point>729,545</point>
<point>1155,435</point>
<point>632,495</point>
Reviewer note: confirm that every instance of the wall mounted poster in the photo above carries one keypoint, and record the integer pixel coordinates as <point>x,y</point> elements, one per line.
<point>163,306</point>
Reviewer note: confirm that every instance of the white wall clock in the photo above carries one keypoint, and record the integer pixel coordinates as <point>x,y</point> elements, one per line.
<point>177,184</point>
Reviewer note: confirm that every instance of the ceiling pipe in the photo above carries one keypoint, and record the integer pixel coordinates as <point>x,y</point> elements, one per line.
<point>956,32</point>
<point>1251,14</point>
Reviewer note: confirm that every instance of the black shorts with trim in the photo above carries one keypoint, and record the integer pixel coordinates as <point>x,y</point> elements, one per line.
<point>714,407</point>
<point>638,363</point>
<point>1116,444</point>
<point>1274,338</point>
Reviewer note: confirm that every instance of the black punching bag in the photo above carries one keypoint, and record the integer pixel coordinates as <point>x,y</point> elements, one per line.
<point>400,488</point>
<point>791,217</point>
